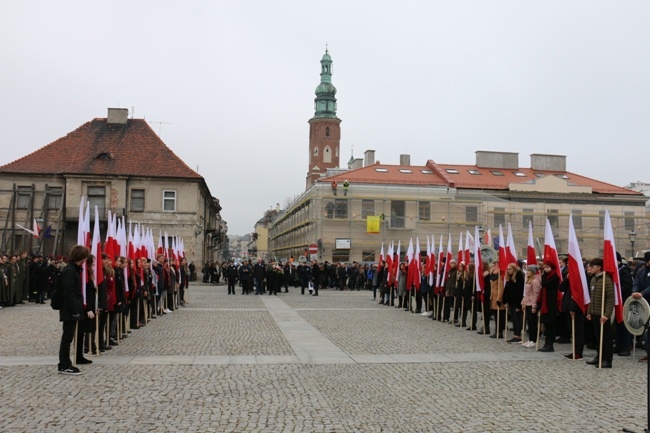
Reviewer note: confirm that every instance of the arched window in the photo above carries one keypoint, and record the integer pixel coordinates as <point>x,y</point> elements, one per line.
<point>327,131</point>
<point>327,154</point>
<point>315,151</point>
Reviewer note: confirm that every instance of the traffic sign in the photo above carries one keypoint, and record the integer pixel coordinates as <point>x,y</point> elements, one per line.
<point>313,249</point>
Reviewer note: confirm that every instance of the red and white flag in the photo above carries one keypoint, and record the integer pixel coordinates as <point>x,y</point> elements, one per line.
<point>469,244</point>
<point>96,250</point>
<point>478,262</point>
<point>487,237</point>
<point>511,251</point>
<point>503,255</point>
<point>550,251</point>
<point>531,257</point>
<point>410,263</point>
<point>389,265</point>
<point>396,262</point>
<point>439,271</point>
<point>381,258</point>
<point>460,248</point>
<point>417,274</point>
<point>577,277</point>
<point>610,265</point>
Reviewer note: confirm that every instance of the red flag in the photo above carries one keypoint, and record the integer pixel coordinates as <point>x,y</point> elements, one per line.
<point>410,262</point>
<point>610,265</point>
<point>469,241</point>
<point>389,265</point>
<point>439,270</point>
<point>417,275</point>
<point>531,258</point>
<point>460,249</point>
<point>577,277</point>
<point>381,258</point>
<point>98,270</point>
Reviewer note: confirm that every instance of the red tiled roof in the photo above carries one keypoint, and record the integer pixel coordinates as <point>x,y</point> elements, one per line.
<point>99,148</point>
<point>459,176</point>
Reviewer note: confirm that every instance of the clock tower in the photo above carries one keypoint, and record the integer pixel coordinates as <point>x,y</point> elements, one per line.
<point>324,127</point>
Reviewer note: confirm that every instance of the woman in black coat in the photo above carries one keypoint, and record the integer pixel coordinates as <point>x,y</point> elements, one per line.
<point>72,309</point>
<point>513,293</point>
<point>547,302</point>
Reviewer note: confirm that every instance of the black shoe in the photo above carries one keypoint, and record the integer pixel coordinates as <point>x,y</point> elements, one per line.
<point>73,371</point>
<point>473,328</point>
<point>105,348</point>
<point>547,349</point>
<point>570,356</point>
<point>624,353</point>
<point>113,343</point>
<point>605,364</point>
<point>593,361</point>
<point>493,335</point>
<point>83,360</point>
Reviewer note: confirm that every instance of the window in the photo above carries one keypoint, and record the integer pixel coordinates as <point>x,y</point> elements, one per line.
<point>97,197</point>
<point>327,131</point>
<point>368,256</point>
<point>426,172</point>
<point>329,210</point>
<point>577,219</point>
<point>518,174</point>
<point>24,197</point>
<point>629,221</point>
<point>424,211</point>
<point>327,155</point>
<point>471,214</point>
<point>169,201</point>
<point>367,208</point>
<point>499,216</point>
<point>381,170</point>
<point>54,197</point>
<point>527,217</point>
<point>474,172</point>
<point>340,256</point>
<point>451,170</point>
<point>405,170</point>
<point>397,214</point>
<point>553,218</point>
<point>496,172</point>
<point>315,151</point>
<point>341,208</point>
<point>137,200</point>
<point>601,221</point>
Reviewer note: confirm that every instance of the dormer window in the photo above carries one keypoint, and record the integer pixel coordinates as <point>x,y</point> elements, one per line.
<point>104,156</point>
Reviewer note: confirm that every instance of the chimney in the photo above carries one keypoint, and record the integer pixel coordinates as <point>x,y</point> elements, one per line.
<point>117,116</point>
<point>540,161</point>
<point>356,163</point>
<point>369,158</point>
<point>505,160</point>
<point>405,160</point>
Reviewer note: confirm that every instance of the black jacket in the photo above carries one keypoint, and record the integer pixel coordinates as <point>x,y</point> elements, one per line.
<point>72,307</point>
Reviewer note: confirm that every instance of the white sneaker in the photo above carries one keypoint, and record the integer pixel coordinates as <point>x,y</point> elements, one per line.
<point>167,310</point>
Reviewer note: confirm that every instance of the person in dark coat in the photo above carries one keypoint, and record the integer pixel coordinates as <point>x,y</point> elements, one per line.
<point>315,276</point>
<point>547,303</point>
<point>513,293</point>
<point>72,309</point>
<point>231,276</point>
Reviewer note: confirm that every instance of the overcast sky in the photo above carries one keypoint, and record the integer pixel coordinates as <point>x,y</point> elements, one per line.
<point>234,81</point>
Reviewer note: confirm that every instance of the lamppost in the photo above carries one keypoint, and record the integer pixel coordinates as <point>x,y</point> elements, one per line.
<point>632,236</point>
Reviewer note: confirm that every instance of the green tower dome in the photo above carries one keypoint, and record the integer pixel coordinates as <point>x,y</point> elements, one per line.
<point>325,102</point>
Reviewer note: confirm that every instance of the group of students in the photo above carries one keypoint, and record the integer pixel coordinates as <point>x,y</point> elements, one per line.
<point>126,295</point>
<point>535,298</point>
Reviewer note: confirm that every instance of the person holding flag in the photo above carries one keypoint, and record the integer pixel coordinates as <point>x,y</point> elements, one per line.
<point>532,287</point>
<point>600,312</point>
<point>548,303</point>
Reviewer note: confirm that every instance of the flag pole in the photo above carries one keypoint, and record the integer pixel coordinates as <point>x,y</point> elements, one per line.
<point>538,326</point>
<point>602,324</point>
<point>573,336</point>
<point>483,314</point>
<point>462,311</point>
<point>523,326</point>
<point>74,348</point>
<point>496,332</point>
<point>505,328</point>
<point>453,313</point>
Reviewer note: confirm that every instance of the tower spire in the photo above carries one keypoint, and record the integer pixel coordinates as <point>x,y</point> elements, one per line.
<point>325,102</point>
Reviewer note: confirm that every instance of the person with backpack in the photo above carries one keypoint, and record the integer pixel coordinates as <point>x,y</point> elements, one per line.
<point>71,310</point>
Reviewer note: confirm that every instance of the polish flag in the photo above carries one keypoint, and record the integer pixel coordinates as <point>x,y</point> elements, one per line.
<point>381,258</point>
<point>469,243</point>
<point>98,270</point>
<point>439,271</point>
<point>389,265</point>
<point>503,255</point>
<point>487,237</point>
<point>448,259</point>
<point>550,251</point>
<point>531,256</point>
<point>432,263</point>
<point>478,261</point>
<point>460,249</point>
<point>577,277</point>
<point>417,275</point>
<point>410,263</point>
<point>511,251</point>
<point>396,262</point>
<point>610,265</point>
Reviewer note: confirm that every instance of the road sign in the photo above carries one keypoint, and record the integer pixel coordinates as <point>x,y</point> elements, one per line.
<point>313,249</point>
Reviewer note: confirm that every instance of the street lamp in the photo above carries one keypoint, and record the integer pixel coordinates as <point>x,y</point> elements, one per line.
<point>632,236</point>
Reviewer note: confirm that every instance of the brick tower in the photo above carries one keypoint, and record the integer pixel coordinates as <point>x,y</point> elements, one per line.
<point>324,127</point>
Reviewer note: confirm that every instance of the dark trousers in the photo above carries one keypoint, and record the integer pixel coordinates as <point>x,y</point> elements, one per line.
<point>231,285</point>
<point>549,334</point>
<point>608,341</point>
<point>67,338</point>
<point>516,319</point>
<point>418,301</point>
<point>531,321</point>
<point>579,338</point>
<point>623,338</point>
<point>103,318</point>
<point>500,318</point>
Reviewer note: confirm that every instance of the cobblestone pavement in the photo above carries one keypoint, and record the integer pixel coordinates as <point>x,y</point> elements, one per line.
<point>336,363</point>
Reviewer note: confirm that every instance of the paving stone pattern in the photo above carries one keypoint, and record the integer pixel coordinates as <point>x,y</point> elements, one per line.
<point>292,363</point>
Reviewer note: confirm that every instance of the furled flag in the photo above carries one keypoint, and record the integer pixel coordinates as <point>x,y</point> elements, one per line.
<point>381,258</point>
<point>577,277</point>
<point>389,264</point>
<point>487,237</point>
<point>478,261</point>
<point>469,244</point>
<point>439,273</point>
<point>396,262</point>
<point>610,265</point>
<point>96,250</point>
<point>531,257</point>
<point>460,248</point>
<point>417,279</point>
<point>503,255</point>
<point>410,263</point>
<point>432,263</point>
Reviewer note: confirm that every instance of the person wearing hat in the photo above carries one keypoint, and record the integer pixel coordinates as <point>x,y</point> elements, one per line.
<point>641,288</point>
<point>547,304</point>
<point>600,310</point>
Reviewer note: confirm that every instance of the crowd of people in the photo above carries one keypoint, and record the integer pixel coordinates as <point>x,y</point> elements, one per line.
<point>123,294</point>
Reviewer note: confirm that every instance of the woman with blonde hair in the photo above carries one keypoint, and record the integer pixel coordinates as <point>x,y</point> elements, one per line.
<point>532,286</point>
